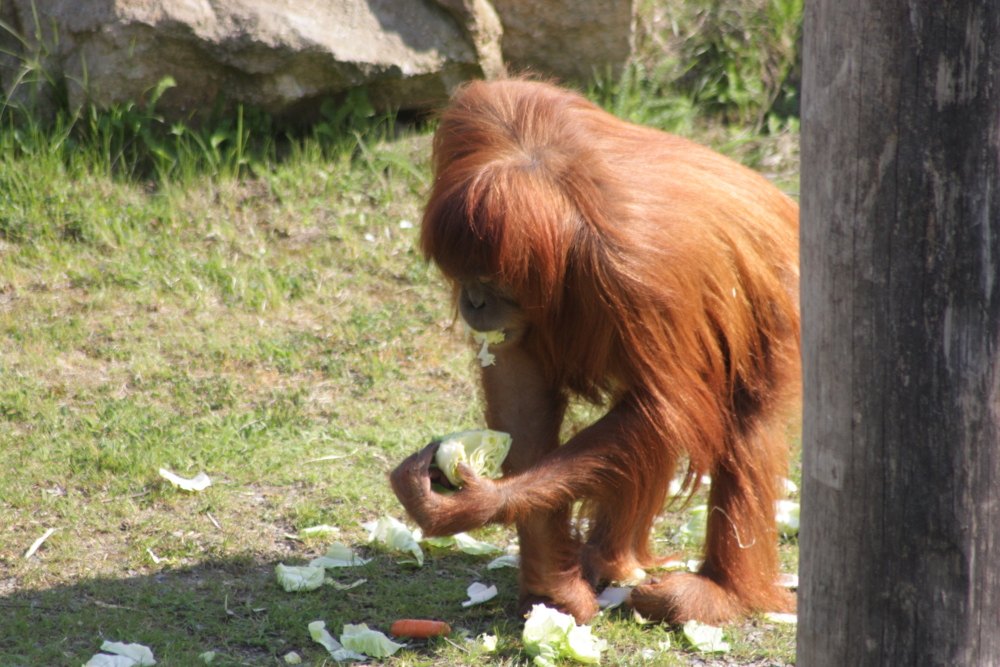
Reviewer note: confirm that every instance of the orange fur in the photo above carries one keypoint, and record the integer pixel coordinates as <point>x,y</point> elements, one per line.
<point>654,276</point>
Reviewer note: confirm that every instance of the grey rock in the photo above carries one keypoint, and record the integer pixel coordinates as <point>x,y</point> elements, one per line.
<point>284,56</point>
<point>570,39</point>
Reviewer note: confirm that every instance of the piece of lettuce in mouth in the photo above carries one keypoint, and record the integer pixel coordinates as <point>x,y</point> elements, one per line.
<point>484,451</point>
<point>485,339</point>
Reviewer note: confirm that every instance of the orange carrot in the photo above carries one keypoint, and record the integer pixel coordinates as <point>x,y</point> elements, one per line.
<point>419,629</point>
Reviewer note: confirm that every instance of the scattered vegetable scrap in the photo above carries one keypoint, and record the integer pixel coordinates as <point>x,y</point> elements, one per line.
<point>789,619</point>
<point>298,578</point>
<point>479,593</point>
<point>464,542</point>
<point>485,643</point>
<point>652,653</point>
<point>124,655</point>
<point>691,565</point>
<point>550,635</point>
<point>507,560</point>
<point>339,555</point>
<point>394,535</point>
<point>368,642</point>
<point>787,518</point>
<point>319,633</point>
<point>346,587</point>
<point>419,629</point>
<point>788,580</point>
<point>612,597</point>
<point>37,543</point>
<point>705,638</point>
<point>199,482</point>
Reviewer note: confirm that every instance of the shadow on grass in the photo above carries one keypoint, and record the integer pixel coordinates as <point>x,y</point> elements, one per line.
<point>236,608</point>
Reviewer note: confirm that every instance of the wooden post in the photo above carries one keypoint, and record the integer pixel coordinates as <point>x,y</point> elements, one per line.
<point>900,544</point>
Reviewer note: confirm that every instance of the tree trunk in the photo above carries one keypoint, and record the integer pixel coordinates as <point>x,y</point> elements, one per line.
<point>900,541</point>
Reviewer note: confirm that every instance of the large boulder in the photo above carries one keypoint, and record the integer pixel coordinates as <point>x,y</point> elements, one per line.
<point>285,56</point>
<point>573,40</point>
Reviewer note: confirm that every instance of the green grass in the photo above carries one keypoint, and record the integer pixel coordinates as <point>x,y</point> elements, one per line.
<point>239,301</point>
<point>243,327</point>
<point>734,60</point>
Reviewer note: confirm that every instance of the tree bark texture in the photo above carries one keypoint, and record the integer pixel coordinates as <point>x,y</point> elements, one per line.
<point>900,540</point>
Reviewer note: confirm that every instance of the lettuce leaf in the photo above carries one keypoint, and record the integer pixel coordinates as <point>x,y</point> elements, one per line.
<point>549,635</point>
<point>199,482</point>
<point>705,638</point>
<point>319,633</point>
<point>479,593</point>
<point>339,555</point>
<point>507,560</point>
<point>295,578</point>
<point>464,542</point>
<point>370,642</point>
<point>125,655</point>
<point>487,338</point>
<point>786,515</point>
<point>394,535</point>
<point>483,450</point>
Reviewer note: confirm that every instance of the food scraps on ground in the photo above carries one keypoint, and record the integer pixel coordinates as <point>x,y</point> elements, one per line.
<point>507,560</point>
<point>485,643</point>
<point>550,635</point>
<point>479,593</point>
<point>339,555</point>
<point>464,542</point>
<point>297,578</point>
<point>419,628</point>
<point>613,596</point>
<point>199,482</point>
<point>787,517</point>
<point>705,638</point>
<point>364,640</point>
<point>124,655</point>
<point>395,536</point>
<point>319,633</point>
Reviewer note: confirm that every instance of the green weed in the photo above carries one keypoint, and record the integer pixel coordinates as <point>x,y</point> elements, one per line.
<point>734,62</point>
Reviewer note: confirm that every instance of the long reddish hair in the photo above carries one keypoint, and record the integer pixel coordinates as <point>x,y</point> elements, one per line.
<point>651,269</point>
